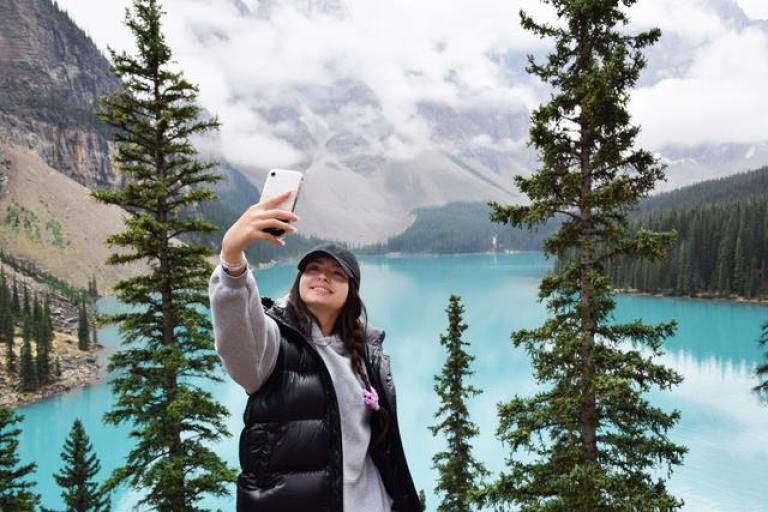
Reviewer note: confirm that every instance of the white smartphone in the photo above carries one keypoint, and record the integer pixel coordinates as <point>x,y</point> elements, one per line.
<point>277,182</point>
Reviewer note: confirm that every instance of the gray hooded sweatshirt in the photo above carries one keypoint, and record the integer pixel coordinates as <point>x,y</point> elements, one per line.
<point>248,341</point>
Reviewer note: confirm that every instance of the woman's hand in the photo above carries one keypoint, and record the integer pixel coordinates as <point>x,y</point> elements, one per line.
<point>249,227</point>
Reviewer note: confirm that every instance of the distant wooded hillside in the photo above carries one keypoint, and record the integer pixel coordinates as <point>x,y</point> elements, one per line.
<point>462,228</point>
<point>722,245</point>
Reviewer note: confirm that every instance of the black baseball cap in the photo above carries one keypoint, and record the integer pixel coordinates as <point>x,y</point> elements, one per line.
<point>342,256</point>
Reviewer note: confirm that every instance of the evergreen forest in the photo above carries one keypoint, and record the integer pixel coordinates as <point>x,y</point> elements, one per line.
<point>722,241</point>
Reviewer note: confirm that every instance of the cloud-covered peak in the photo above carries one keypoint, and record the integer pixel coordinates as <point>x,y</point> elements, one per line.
<point>364,83</point>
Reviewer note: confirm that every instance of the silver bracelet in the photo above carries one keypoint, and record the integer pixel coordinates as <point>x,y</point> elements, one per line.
<point>231,268</point>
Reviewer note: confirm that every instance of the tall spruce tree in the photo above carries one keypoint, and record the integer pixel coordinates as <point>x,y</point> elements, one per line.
<point>589,440</point>
<point>42,343</point>
<point>459,473</point>
<point>7,323</point>
<point>167,344</point>
<point>15,490</point>
<point>83,336</point>
<point>15,302</point>
<point>47,333</point>
<point>95,338</point>
<point>26,308</point>
<point>7,327</point>
<point>93,290</point>
<point>28,380</point>
<point>79,491</point>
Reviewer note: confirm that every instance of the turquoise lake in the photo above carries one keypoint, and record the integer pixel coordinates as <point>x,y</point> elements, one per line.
<point>723,424</point>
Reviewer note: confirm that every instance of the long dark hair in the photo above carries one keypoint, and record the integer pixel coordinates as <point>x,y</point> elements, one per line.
<point>350,326</point>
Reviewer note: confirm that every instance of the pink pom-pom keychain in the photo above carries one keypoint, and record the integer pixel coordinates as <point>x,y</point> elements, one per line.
<point>371,398</point>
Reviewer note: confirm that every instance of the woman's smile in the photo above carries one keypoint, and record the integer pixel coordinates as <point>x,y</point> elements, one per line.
<point>321,289</point>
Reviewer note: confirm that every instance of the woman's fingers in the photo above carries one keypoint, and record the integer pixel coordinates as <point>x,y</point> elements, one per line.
<point>264,214</point>
<point>273,239</point>
<point>275,223</point>
<point>283,215</point>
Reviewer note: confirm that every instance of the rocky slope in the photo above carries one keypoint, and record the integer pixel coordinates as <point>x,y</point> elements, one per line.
<point>51,220</point>
<point>51,75</point>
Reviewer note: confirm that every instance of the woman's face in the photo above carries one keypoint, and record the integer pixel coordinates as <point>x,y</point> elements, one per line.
<point>323,284</point>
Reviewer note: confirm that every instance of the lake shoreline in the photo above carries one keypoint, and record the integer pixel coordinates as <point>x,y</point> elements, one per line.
<point>83,370</point>
<point>79,369</point>
<point>735,299</point>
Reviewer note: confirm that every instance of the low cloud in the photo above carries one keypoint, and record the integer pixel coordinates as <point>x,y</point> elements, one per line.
<point>719,99</point>
<point>406,53</point>
<point>755,9</point>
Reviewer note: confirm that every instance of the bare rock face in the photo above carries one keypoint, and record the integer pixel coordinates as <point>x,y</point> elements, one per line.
<point>51,76</point>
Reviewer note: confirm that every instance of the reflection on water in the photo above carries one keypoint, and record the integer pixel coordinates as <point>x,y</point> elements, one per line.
<point>724,426</point>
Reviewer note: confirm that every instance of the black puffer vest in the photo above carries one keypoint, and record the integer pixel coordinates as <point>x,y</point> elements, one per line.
<point>290,447</point>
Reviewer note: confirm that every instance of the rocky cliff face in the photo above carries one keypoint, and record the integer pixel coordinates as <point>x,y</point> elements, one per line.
<point>51,75</point>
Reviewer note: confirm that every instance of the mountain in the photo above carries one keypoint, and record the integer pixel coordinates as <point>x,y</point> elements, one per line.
<point>50,220</point>
<point>367,171</point>
<point>54,150</point>
<point>362,183</point>
<point>51,75</point>
<point>381,162</point>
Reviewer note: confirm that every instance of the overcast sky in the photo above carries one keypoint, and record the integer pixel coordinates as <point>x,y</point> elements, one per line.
<point>705,82</point>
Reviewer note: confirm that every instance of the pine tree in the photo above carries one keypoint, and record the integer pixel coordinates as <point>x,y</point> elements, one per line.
<point>47,333</point>
<point>5,295</point>
<point>167,343</point>
<point>93,290</point>
<point>762,370</point>
<point>42,343</point>
<point>423,499</point>
<point>57,367</point>
<point>15,299</point>
<point>8,334</point>
<point>83,337</point>
<point>7,322</point>
<point>15,492</point>
<point>740,276</point>
<point>594,442</point>
<point>26,308</point>
<point>94,327</point>
<point>458,471</point>
<point>79,492</point>
<point>27,368</point>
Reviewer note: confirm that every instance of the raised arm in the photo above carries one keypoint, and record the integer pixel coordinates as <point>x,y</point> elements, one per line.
<point>247,340</point>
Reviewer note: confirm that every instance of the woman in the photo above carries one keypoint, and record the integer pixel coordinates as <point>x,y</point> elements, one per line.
<point>321,430</point>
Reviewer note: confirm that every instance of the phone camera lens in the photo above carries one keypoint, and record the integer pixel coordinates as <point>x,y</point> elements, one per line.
<point>273,173</point>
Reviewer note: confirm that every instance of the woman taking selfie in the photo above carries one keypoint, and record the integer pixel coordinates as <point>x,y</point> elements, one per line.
<point>321,430</point>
